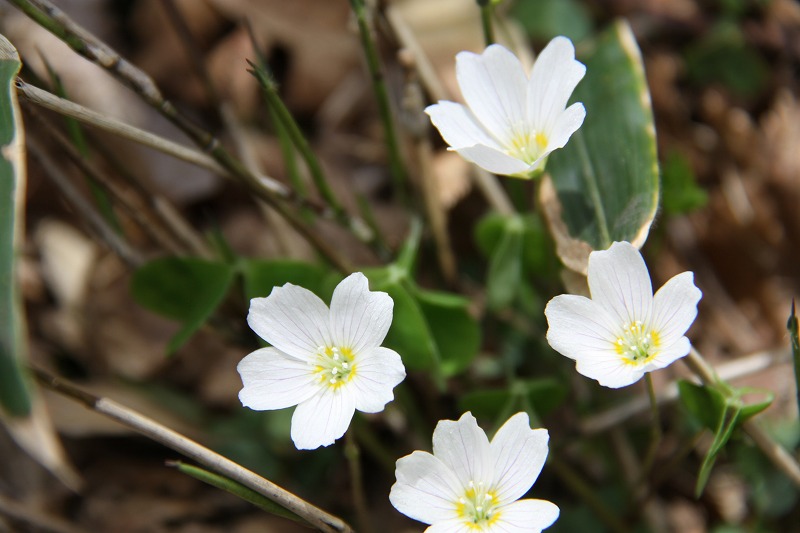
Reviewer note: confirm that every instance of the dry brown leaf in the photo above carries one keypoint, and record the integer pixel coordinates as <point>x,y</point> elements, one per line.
<point>574,253</point>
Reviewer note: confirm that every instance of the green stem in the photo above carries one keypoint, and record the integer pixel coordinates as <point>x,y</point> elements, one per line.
<point>655,431</point>
<point>284,116</point>
<point>486,21</point>
<point>582,490</point>
<point>382,96</point>
<point>287,149</point>
<point>792,326</point>
<point>353,454</point>
<point>237,489</point>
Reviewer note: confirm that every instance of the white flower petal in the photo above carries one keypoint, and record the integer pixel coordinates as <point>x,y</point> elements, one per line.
<point>495,161</point>
<point>553,78</point>
<point>578,325</point>
<point>377,372</point>
<point>458,125</point>
<point>519,453</point>
<point>620,282</point>
<point>454,525</point>
<point>464,448</point>
<point>493,85</point>
<point>292,319</point>
<point>322,419</point>
<point>274,380</point>
<point>426,490</point>
<point>669,354</point>
<point>565,125</point>
<point>675,307</point>
<point>527,516</point>
<point>359,318</point>
<point>609,369</point>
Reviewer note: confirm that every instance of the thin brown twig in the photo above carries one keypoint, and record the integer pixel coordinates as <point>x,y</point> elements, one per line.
<point>130,205</point>
<point>182,444</point>
<point>82,205</point>
<point>83,42</point>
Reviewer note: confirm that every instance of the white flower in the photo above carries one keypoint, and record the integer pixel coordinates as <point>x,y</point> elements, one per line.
<point>470,484</point>
<point>623,331</point>
<point>327,362</point>
<point>512,122</point>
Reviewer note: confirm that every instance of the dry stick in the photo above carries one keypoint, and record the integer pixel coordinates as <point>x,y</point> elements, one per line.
<point>131,206</point>
<point>782,460</point>
<point>117,127</point>
<point>82,205</point>
<point>487,183</point>
<point>59,24</point>
<point>419,129</point>
<point>35,517</point>
<point>190,47</point>
<point>181,444</point>
<point>353,453</point>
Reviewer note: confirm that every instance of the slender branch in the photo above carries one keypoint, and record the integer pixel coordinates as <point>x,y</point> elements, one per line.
<point>396,165</point>
<point>133,208</point>
<point>353,454</point>
<point>655,432</point>
<point>486,21</point>
<point>59,24</point>
<point>420,133</point>
<point>82,205</point>
<point>487,183</point>
<point>117,127</point>
<point>782,459</point>
<point>580,488</point>
<point>181,444</point>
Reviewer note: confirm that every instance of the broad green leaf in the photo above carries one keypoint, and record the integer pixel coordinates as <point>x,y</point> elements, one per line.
<point>505,265</point>
<point>544,395</point>
<point>606,177</point>
<point>260,277</point>
<point>706,404</point>
<point>15,397</point>
<point>409,334</point>
<point>184,289</point>
<point>545,19</point>
<point>455,332</point>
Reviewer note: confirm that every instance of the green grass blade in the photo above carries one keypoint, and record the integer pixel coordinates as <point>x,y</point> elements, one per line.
<point>14,394</point>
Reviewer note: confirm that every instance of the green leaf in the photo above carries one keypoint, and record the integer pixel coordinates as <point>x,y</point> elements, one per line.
<point>606,177</point>
<point>455,332</point>
<point>729,418</point>
<point>260,277</point>
<point>237,489</point>
<point>543,394</point>
<point>792,326</point>
<point>505,266</point>
<point>184,289</point>
<point>545,19</point>
<point>706,404</point>
<point>14,394</point>
<point>409,334</point>
<point>724,57</point>
<point>680,192</point>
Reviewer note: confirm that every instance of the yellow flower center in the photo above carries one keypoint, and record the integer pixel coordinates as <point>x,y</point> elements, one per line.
<point>334,365</point>
<point>478,507</point>
<point>527,146</point>
<point>637,345</point>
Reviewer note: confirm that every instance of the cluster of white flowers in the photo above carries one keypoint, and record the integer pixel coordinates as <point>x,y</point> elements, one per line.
<point>330,362</point>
